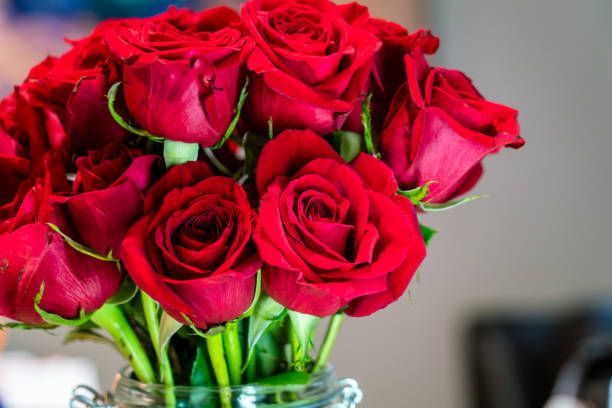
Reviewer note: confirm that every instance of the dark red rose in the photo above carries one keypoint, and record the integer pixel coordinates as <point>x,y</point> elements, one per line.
<point>192,251</point>
<point>109,195</point>
<point>15,166</point>
<point>33,255</point>
<point>310,68</point>
<point>65,99</point>
<point>332,234</point>
<point>183,71</point>
<point>440,128</point>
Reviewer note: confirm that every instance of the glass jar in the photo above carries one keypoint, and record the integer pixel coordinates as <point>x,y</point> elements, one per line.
<point>324,390</point>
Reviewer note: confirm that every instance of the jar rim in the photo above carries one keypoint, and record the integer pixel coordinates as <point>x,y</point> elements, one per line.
<point>124,379</point>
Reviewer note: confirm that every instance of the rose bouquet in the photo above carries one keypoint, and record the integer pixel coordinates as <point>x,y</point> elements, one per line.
<point>201,188</point>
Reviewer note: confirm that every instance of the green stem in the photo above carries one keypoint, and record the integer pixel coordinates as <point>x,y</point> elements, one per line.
<point>328,343</point>
<point>233,350</point>
<point>150,309</point>
<point>251,370</point>
<point>217,359</point>
<point>297,351</point>
<point>112,319</point>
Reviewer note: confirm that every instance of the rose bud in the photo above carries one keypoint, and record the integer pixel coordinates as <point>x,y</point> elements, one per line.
<point>440,128</point>
<point>332,235</point>
<point>182,71</point>
<point>192,251</point>
<point>310,68</point>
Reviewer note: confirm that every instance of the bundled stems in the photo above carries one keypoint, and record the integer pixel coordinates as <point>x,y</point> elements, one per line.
<point>297,351</point>
<point>217,359</point>
<point>233,350</point>
<point>150,309</point>
<point>328,343</point>
<point>112,319</point>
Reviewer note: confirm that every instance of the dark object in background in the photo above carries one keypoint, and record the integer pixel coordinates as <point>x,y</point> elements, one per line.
<point>585,379</point>
<point>515,361</point>
<point>100,9</point>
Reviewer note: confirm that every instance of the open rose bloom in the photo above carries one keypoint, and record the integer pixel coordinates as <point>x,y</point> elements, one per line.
<point>203,187</point>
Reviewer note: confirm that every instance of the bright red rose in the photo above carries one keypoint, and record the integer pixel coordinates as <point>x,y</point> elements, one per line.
<point>192,252</point>
<point>183,71</point>
<point>33,255</point>
<point>109,195</point>
<point>310,68</point>
<point>332,234</point>
<point>440,128</point>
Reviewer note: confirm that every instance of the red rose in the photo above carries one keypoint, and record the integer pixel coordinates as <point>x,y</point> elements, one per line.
<point>182,72</point>
<point>109,195</point>
<point>440,128</point>
<point>332,234</point>
<point>310,68</point>
<point>32,255</point>
<point>387,76</point>
<point>14,164</point>
<point>192,252</point>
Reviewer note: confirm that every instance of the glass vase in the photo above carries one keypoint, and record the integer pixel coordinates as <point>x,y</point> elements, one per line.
<point>325,390</point>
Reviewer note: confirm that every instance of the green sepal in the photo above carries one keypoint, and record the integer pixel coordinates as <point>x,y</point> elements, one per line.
<point>270,128</point>
<point>286,379</point>
<point>88,335</point>
<point>126,292</point>
<point>211,332</point>
<point>266,312</point>
<point>256,297</point>
<point>26,326</point>
<point>82,248</point>
<point>416,195</point>
<point>168,327</point>
<point>368,131</point>
<point>230,129</point>
<point>52,318</point>
<point>430,207</point>
<point>112,96</point>
<point>176,153</point>
<point>427,232</point>
<point>348,144</point>
<point>303,327</point>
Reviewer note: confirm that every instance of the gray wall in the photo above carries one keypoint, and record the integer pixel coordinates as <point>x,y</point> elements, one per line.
<point>543,238</point>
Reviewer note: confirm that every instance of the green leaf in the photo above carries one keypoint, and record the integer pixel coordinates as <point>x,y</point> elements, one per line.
<point>304,327</point>
<point>230,129</point>
<point>201,372</point>
<point>430,207</point>
<point>286,379</point>
<point>125,293</point>
<point>348,144</point>
<point>268,351</point>
<point>416,195</point>
<point>366,121</point>
<point>82,248</point>
<point>266,312</point>
<point>428,233</point>
<point>176,153</point>
<point>256,297</point>
<point>52,318</point>
<point>112,96</point>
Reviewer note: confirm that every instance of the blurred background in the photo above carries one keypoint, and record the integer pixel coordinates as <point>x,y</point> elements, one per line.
<point>514,282</point>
